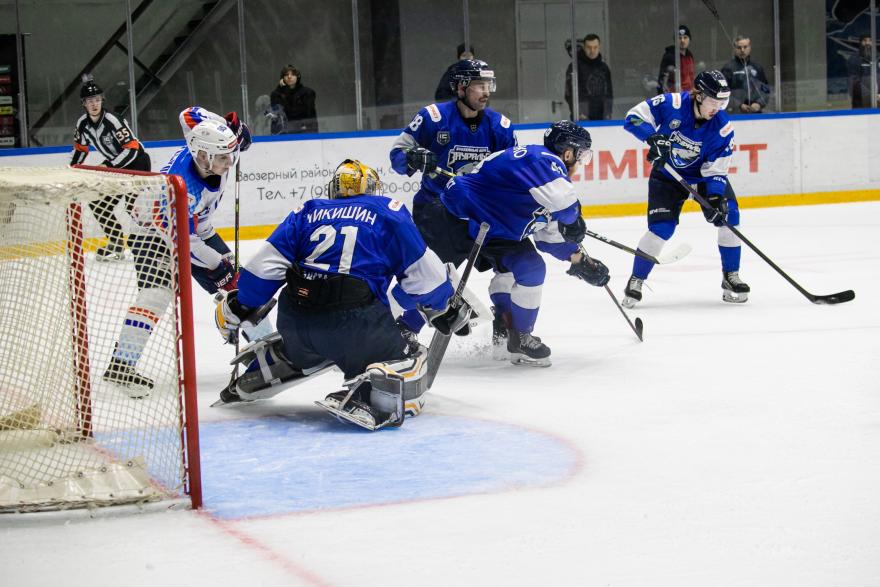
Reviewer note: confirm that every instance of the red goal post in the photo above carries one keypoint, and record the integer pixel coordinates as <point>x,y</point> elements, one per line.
<point>72,432</point>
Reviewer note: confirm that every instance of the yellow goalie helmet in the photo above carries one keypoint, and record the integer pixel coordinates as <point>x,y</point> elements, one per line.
<point>353,178</point>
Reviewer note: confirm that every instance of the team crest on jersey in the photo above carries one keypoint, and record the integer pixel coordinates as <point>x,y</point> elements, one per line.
<point>395,205</point>
<point>674,124</point>
<point>684,150</point>
<point>107,140</point>
<point>465,154</point>
<point>443,137</point>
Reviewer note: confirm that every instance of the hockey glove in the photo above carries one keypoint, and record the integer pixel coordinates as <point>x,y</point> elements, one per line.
<point>226,315</point>
<point>240,129</point>
<point>717,214</point>
<point>592,271</point>
<point>420,159</point>
<point>660,149</point>
<point>224,276</point>
<point>452,319</point>
<point>574,232</point>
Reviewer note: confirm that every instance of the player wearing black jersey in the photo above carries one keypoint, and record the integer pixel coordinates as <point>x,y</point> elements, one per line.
<point>114,140</point>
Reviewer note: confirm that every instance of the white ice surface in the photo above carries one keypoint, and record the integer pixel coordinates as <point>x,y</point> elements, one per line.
<point>738,445</point>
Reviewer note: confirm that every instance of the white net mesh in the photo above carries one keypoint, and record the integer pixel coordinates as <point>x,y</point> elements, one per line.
<point>90,394</point>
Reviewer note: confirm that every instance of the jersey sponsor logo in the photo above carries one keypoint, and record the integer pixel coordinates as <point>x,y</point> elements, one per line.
<point>658,211</point>
<point>395,205</point>
<point>443,137</point>
<point>676,101</point>
<point>505,122</point>
<point>726,129</point>
<point>434,112</point>
<point>684,150</point>
<point>464,154</point>
<point>674,124</point>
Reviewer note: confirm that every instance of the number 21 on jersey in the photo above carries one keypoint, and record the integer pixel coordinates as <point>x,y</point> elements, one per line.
<point>325,236</point>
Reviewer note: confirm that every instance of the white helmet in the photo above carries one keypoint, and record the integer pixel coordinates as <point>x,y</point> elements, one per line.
<point>212,137</point>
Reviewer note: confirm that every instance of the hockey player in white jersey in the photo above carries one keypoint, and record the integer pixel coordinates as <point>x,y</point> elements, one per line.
<point>212,148</point>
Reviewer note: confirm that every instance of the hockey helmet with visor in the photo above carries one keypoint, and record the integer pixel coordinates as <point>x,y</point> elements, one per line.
<point>564,135</point>
<point>469,70</point>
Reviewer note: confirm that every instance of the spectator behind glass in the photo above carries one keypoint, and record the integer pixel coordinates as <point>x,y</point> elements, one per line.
<point>444,88</point>
<point>595,96</point>
<point>749,88</point>
<point>666,78</point>
<point>297,101</point>
<point>859,66</point>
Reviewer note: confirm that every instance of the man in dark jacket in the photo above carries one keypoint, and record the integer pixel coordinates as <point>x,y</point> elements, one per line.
<point>666,78</point>
<point>595,95</point>
<point>444,91</point>
<point>749,88</point>
<point>297,101</point>
<point>859,66</point>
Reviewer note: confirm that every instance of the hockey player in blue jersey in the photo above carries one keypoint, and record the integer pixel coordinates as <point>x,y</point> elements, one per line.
<point>691,132</point>
<point>336,258</point>
<point>455,135</point>
<point>520,192</point>
<point>213,144</point>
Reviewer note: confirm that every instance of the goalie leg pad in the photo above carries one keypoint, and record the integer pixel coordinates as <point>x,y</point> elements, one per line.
<point>399,383</point>
<point>268,372</point>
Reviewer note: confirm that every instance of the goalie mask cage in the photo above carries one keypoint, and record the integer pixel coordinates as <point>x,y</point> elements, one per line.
<point>69,436</point>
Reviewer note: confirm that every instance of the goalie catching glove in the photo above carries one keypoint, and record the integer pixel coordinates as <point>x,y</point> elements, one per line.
<point>590,270</point>
<point>421,159</point>
<point>230,315</point>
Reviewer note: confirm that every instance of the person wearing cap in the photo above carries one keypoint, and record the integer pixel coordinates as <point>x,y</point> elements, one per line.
<point>444,88</point>
<point>114,140</point>
<point>666,78</point>
<point>297,101</point>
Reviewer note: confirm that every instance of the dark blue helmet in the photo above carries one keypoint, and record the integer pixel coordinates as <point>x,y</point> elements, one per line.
<point>468,70</point>
<point>565,134</point>
<point>713,84</point>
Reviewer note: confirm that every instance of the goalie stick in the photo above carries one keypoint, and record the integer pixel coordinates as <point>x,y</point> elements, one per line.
<point>637,327</point>
<point>440,341</point>
<point>836,298</point>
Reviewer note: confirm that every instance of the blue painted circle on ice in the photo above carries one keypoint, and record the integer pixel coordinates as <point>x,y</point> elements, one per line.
<point>279,465</point>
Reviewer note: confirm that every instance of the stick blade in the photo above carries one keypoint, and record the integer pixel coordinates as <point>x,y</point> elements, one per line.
<point>639,329</point>
<point>676,254</point>
<point>838,298</point>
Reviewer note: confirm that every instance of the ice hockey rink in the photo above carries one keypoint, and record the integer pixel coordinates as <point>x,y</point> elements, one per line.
<point>737,445</point>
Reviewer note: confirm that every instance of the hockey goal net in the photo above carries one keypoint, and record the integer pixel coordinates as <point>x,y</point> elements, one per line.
<point>97,377</point>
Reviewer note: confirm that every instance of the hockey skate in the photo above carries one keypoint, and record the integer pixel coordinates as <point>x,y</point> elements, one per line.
<point>500,324</point>
<point>112,252</point>
<point>734,289</point>
<point>633,292</point>
<point>124,374</point>
<point>526,349</point>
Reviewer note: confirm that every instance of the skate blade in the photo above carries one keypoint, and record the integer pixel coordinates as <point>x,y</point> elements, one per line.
<point>220,403</point>
<point>526,361</point>
<point>734,298</point>
<point>358,417</point>
<point>629,303</point>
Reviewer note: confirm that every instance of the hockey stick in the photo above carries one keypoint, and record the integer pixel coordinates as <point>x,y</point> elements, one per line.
<point>236,240</point>
<point>440,341</point>
<point>679,252</point>
<point>638,327</point>
<point>837,298</point>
